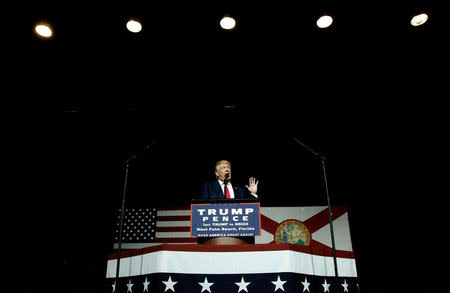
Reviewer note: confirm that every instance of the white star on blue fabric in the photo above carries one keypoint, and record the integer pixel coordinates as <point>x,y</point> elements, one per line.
<point>129,285</point>
<point>278,284</point>
<point>326,286</point>
<point>242,285</point>
<point>205,285</point>
<point>169,284</point>
<point>305,285</point>
<point>146,285</point>
<point>345,285</point>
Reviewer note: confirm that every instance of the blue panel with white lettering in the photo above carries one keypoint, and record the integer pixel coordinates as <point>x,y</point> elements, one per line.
<point>225,220</point>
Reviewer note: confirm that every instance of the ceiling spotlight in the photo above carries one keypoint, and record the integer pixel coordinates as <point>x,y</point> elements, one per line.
<point>43,30</point>
<point>419,19</point>
<point>227,23</point>
<point>324,21</point>
<point>134,25</point>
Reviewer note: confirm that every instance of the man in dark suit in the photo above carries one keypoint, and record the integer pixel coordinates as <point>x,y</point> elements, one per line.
<point>222,187</point>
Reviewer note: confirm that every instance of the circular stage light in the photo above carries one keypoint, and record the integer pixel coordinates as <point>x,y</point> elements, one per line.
<point>227,23</point>
<point>43,30</point>
<point>419,19</point>
<point>134,25</point>
<point>324,21</point>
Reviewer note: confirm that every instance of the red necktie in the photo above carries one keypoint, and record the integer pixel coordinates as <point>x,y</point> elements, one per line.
<point>227,192</point>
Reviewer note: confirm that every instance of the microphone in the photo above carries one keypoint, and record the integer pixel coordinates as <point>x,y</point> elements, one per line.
<point>227,175</point>
<point>310,149</point>
<point>138,155</point>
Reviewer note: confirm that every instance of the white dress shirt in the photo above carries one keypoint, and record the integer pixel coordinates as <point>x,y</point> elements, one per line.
<point>230,188</point>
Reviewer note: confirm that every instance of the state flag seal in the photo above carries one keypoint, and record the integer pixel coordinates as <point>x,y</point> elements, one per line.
<point>292,231</point>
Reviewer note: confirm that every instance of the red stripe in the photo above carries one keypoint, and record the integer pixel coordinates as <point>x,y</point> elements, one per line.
<point>177,240</point>
<point>321,219</point>
<point>126,253</point>
<point>322,251</point>
<point>173,229</point>
<point>268,224</point>
<point>173,218</point>
<point>319,248</point>
<point>175,208</point>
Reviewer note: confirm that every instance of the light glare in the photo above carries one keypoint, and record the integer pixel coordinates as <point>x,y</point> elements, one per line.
<point>134,26</point>
<point>419,19</point>
<point>43,30</point>
<point>324,21</point>
<point>227,23</point>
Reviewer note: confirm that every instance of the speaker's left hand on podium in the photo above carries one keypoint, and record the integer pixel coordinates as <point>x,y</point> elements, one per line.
<point>252,186</point>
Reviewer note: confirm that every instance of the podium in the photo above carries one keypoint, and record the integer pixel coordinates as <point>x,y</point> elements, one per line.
<point>225,221</point>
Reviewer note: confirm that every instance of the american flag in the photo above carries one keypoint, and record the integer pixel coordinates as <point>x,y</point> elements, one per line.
<point>149,226</point>
<point>139,225</point>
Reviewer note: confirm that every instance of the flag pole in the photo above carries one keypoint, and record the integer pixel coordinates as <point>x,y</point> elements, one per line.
<point>330,213</point>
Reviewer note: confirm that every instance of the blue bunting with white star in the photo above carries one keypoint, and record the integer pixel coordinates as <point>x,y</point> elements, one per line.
<point>229,283</point>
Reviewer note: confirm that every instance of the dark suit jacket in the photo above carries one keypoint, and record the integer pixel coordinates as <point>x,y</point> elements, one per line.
<point>213,189</point>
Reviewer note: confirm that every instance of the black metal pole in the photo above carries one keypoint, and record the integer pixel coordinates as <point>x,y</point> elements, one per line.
<point>122,212</point>
<point>330,213</point>
<point>330,216</point>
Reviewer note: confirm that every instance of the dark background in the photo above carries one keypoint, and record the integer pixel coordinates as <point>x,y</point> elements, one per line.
<point>369,93</point>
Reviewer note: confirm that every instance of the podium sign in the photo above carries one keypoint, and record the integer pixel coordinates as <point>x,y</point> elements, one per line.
<point>225,220</point>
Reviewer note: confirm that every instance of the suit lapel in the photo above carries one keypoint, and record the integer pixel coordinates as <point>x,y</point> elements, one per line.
<point>219,190</point>
<point>237,192</point>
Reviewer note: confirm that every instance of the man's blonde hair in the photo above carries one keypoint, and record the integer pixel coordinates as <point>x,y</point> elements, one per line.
<point>221,162</point>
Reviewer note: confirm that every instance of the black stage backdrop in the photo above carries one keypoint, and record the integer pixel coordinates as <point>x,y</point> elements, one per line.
<point>369,96</point>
